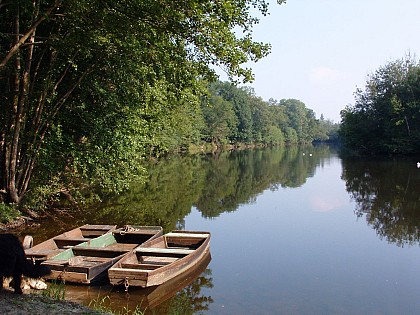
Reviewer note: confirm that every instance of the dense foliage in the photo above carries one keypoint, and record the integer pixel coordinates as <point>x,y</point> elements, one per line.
<point>88,87</point>
<point>386,115</point>
<point>237,115</point>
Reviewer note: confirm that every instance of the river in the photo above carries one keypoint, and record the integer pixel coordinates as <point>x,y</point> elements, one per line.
<point>295,230</point>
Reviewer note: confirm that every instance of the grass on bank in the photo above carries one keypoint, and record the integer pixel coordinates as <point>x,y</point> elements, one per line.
<point>8,213</point>
<point>56,290</point>
<point>104,305</point>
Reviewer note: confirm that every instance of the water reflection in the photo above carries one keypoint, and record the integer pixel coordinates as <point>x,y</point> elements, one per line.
<point>181,295</point>
<point>313,257</point>
<point>387,194</point>
<point>386,191</point>
<point>212,183</point>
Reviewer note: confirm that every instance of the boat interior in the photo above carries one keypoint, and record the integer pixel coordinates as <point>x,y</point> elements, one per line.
<point>169,248</point>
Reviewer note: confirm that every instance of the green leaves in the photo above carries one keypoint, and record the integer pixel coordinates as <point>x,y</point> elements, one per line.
<point>233,114</point>
<point>90,87</point>
<point>386,115</point>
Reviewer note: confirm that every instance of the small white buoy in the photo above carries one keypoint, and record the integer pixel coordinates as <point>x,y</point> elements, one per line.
<point>418,164</point>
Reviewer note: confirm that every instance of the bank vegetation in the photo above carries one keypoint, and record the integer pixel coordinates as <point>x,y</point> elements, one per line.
<point>90,89</point>
<point>385,119</point>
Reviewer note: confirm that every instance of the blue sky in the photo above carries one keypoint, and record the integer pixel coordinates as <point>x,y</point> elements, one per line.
<point>323,49</point>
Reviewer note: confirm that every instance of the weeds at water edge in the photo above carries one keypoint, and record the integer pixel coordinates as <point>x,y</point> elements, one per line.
<point>104,305</point>
<point>56,291</point>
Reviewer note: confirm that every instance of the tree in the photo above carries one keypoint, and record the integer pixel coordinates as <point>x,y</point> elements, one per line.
<point>220,120</point>
<point>261,121</point>
<point>386,114</point>
<point>106,61</point>
<point>301,119</point>
<point>240,99</point>
<point>326,130</point>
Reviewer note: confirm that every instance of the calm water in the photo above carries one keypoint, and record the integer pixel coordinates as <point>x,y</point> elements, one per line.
<point>294,231</point>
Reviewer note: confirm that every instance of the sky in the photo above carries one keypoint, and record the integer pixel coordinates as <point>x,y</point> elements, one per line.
<point>322,50</point>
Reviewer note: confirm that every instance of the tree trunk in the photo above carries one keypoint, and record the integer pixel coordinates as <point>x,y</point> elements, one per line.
<point>408,126</point>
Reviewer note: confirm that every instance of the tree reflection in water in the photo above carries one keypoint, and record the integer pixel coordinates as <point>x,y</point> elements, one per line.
<point>189,300</point>
<point>386,194</point>
<point>212,183</point>
<point>386,191</point>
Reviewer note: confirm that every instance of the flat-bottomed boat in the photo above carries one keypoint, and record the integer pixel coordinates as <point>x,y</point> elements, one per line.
<point>88,262</point>
<point>157,261</point>
<point>66,240</point>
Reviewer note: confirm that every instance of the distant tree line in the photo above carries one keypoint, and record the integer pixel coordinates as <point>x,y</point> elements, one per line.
<point>236,115</point>
<point>385,118</point>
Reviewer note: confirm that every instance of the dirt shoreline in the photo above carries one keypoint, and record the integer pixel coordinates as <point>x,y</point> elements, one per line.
<point>23,304</point>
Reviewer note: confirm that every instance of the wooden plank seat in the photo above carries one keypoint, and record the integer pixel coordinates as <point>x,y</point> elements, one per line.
<point>92,231</point>
<point>84,264</point>
<point>77,263</point>
<point>163,252</point>
<point>97,227</point>
<point>71,239</point>
<point>110,248</point>
<point>190,240</point>
<point>134,232</point>
<point>46,252</point>
<point>98,251</point>
<point>142,266</point>
<point>57,262</point>
<point>64,266</point>
<point>122,246</point>
<point>66,242</point>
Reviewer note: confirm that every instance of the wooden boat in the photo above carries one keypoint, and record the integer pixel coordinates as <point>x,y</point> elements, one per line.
<point>145,298</point>
<point>89,261</point>
<point>60,243</point>
<point>161,293</point>
<point>159,260</point>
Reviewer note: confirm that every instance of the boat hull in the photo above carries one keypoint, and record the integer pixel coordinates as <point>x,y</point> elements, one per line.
<point>88,262</point>
<point>54,246</point>
<point>160,260</point>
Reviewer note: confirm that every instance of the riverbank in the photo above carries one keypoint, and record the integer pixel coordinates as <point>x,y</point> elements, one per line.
<point>16,224</point>
<point>17,304</point>
<point>23,304</point>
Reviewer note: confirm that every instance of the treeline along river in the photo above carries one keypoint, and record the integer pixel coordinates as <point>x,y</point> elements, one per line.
<point>295,230</point>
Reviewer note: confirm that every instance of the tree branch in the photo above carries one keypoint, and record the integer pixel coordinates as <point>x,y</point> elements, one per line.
<point>23,39</point>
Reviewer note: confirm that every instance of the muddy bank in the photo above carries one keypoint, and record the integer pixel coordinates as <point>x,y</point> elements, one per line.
<point>17,224</point>
<point>16,304</point>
